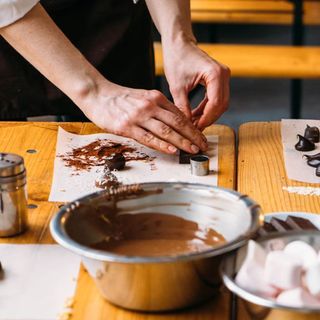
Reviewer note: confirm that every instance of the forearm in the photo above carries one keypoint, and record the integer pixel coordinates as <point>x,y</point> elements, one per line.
<point>37,38</point>
<point>172,19</point>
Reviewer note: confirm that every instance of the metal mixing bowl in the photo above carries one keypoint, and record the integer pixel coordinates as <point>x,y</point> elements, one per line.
<point>255,306</point>
<point>157,283</point>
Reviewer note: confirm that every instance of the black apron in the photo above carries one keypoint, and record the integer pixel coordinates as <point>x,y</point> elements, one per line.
<point>114,35</point>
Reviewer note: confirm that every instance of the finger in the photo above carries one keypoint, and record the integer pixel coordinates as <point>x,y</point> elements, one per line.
<point>226,92</point>
<point>150,140</point>
<point>198,111</point>
<point>180,124</point>
<point>181,100</point>
<point>166,133</point>
<point>214,106</point>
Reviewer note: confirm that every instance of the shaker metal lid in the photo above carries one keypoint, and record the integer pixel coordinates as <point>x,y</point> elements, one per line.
<point>10,165</point>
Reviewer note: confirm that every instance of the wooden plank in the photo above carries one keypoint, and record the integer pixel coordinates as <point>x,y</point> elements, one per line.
<point>261,170</point>
<point>260,60</point>
<point>276,12</point>
<point>20,137</point>
<point>241,6</point>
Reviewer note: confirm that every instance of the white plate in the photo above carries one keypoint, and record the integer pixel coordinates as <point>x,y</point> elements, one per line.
<point>313,217</point>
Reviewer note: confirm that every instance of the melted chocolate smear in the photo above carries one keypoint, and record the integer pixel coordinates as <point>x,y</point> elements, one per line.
<point>95,154</point>
<point>155,234</point>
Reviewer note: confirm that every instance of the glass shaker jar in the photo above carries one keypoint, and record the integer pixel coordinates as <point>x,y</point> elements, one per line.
<point>13,195</point>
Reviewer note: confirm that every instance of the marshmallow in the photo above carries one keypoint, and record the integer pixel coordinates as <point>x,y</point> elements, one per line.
<point>256,253</point>
<point>282,270</point>
<point>302,251</point>
<point>312,279</point>
<point>298,298</point>
<point>250,275</point>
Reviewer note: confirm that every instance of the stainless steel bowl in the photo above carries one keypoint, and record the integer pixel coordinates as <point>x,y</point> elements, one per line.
<point>157,283</point>
<point>256,307</point>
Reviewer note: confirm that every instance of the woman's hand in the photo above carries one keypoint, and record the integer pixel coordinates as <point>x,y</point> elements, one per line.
<point>144,115</point>
<point>186,66</point>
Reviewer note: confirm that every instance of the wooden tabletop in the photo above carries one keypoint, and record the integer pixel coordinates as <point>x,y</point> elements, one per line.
<point>36,143</point>
<point>262,176</point>
<point>261,170</point>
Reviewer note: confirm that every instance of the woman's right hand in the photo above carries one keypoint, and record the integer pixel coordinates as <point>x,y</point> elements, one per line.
<point>144,115</point>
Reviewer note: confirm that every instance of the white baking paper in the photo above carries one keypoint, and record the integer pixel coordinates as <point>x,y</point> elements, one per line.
<point>296,167</point>
<point>69,185</point>
<point>37,281</point>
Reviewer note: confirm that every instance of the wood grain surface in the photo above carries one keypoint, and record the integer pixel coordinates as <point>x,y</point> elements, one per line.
<point>41,137</point>
<point>261,170</point>
<point>261,175</point>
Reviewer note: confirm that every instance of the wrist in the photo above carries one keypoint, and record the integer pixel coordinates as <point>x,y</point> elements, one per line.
<point>178,40</point>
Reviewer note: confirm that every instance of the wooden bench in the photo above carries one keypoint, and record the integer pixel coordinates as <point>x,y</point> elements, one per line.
<point>265,61</point>
<point>278,12</point>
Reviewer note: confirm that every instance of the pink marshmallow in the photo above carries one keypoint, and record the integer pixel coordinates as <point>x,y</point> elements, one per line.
<point>302,251</point>
<point>298,298</point>
<point>282,270</point>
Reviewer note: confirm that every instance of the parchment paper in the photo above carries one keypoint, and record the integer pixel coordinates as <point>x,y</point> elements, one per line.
<point>37,281</point>
<point>296,167</point>
<point>68,184</point>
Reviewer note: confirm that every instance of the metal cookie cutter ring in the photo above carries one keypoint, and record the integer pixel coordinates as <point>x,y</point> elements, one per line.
<point>199,165</point>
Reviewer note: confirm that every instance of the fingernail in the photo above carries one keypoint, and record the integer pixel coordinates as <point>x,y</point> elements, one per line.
<point>194,148</point>
<point>172,149</point>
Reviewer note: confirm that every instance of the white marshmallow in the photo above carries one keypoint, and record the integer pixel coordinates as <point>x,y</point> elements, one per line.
<point>297,297</point>
<point>282,270</point>
<point>312,279</point>
<point>302,251</point>
<point>251,277</point>
<point>256,253</point>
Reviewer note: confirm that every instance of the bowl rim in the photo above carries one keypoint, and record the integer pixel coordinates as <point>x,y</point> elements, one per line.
<point>230,283</point>
<point>61,236</point>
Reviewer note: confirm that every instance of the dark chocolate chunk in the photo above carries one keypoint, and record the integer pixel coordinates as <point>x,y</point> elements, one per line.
<point>313,160</point>
<point>318,171</point>
<point>115,161</point>
<point>312,134</point>
<point>266,228</point>
<point>297,223</point>
<point>304,144</point>
<point>280,225</point>
<point>184,157</point>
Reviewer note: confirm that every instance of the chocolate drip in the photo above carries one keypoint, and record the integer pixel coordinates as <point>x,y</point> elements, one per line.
<point>304,144</point>
<point>312,134</point>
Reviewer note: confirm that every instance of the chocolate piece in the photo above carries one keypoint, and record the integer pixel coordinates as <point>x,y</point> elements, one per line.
<point>266,228</point>
<point>304,144</point>
<point>116,161</point>
<point>280,225</point>
<point>318,171</point>
<point>297,223</point>
<point>184,157</point>
<point>312,134</point>
<point>313,160</point>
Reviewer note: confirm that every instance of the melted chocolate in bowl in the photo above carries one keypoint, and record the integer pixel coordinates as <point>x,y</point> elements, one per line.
<point>156,234</point>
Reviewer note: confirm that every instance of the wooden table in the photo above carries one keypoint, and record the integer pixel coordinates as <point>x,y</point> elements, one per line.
<point>24,138</point>
<point>261,175</point>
